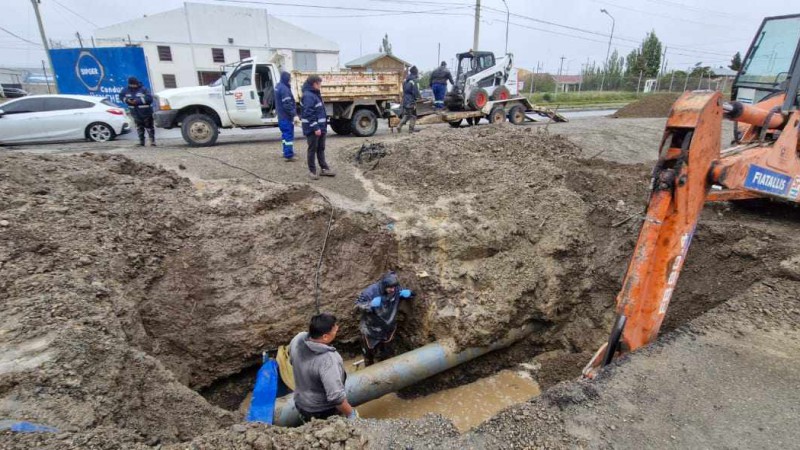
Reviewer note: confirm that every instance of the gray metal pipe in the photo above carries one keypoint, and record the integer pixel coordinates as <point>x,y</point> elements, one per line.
<point>401,371</point>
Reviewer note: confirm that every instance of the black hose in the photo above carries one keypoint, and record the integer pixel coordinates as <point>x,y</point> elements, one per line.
<point>327,231</point>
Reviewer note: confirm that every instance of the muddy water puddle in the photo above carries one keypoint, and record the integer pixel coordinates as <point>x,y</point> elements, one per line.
<point>466,406</point>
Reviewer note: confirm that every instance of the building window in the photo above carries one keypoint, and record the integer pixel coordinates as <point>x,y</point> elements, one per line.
<point>244,53</point>
<point>169,81</point>
<point>218,55</point>
<point>164,53</point>
<point>306,61</point>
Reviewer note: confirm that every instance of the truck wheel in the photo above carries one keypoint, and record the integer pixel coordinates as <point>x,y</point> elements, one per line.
<point>478,98</point>
<point>501,93</point>
<point>341,126</point>
<point>517,115</point>
<point>364,123</point>
<point>455,123</point>
<point>199,130</point>
<point>498,115</point>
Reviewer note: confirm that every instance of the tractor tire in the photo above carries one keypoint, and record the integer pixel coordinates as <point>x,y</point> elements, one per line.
<point>199,130</point>
<point>455,123</point>
<point>498,115</point>
<point>478,99</point>
<point>517,115</point>
<point>501,93</point>
<point>364,123</point>
<point>341,126</point>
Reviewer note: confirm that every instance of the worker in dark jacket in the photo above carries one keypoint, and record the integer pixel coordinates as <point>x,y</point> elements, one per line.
<point>287,114</point>
<point>410,97</point>
<point>318,372</point>
<point>378,304</point>
<point>315,127</point>
<point>439,79</point>
<point>140,105</point>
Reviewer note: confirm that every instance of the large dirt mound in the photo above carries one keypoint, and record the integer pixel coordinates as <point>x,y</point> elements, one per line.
<point>652,105</point>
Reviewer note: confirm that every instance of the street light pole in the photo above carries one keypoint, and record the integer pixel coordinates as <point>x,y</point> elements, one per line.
<point>608,52</point>
<point>508,16</point>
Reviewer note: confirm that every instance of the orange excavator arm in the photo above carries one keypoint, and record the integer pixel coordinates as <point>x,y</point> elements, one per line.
<point>691,170</point>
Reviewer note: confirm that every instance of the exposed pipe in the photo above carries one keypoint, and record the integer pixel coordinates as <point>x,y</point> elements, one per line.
<point>401,371</point>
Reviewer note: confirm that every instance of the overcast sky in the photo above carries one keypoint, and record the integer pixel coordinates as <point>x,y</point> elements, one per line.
<point>708,31</point>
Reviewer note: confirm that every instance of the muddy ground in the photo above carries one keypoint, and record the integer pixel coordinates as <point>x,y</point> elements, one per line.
<point>128,288</point>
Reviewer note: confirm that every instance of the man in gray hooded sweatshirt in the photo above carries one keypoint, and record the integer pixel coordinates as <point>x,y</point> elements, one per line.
<point>319,371</point>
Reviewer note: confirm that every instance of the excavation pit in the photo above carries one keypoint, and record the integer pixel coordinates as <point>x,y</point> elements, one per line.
<point>127,290</point>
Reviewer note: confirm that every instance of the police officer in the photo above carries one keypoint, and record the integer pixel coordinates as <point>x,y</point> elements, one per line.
<point>439,79</point>
<point>410,97</point>
<point>140,104</point>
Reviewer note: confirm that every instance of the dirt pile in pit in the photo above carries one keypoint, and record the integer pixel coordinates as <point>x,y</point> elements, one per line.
<point>651,105</point>
<point>501,226</point>
<point>123,287</point>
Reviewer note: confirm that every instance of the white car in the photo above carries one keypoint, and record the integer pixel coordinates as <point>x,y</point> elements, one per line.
<point>39,118</point>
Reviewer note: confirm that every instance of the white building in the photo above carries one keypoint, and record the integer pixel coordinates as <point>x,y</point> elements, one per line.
<point>187,46</point>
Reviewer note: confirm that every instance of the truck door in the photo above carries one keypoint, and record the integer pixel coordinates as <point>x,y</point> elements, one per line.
<point>241,98</point>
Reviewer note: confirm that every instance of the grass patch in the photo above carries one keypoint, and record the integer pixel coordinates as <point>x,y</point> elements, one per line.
<point>586,98</point>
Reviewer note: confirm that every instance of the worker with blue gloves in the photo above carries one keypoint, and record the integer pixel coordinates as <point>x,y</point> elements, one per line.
<point>379,304</point>
<point>287,115</point>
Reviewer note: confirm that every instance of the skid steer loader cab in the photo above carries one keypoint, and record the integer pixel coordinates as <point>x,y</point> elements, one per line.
<point>478,73</point>
<point>771,64</point>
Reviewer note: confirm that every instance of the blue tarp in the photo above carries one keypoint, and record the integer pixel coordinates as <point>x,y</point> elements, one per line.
<point>26,427</point>
<point>264,393</point>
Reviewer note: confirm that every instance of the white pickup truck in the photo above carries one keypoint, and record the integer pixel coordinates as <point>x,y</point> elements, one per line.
<point>244,97</point>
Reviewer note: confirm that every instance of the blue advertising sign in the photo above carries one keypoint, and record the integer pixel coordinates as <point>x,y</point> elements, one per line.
<point>99,72</point>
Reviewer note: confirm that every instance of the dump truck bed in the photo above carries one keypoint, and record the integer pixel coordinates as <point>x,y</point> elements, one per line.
<point>347,86</point>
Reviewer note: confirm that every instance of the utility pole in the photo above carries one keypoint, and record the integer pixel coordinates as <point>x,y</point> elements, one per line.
<point>608,51</point>
<point>686,81</point>
<point>639,84</point>
<point>439,55</point>
<point>44,43</point>
<point>663,68</point>
<point>508,17</point>
<point>477,25</point>
<point>561,66</point>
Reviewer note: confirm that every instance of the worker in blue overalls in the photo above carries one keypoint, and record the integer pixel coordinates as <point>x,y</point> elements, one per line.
<point>439,79</point>
<point>140,105</point>
<point>287,115</point>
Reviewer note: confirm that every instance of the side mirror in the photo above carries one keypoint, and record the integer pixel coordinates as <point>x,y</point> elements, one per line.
<point>2,113</point>
<point>224,82</point>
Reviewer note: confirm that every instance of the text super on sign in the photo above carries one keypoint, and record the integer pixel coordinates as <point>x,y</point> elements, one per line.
<point>768,181</point>
<point>99,72</point>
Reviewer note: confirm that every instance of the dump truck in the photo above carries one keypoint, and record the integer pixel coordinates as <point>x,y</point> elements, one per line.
<point>244,97</point>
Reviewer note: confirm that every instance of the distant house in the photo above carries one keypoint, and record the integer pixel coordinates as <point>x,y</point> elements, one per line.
<point>567,83</point>
<point>378,62</point>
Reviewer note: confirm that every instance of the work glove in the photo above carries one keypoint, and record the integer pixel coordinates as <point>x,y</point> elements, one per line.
<point>353,415</point>
<point>297,122</point>
<point>376,302</point>
<point>406,293</point>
